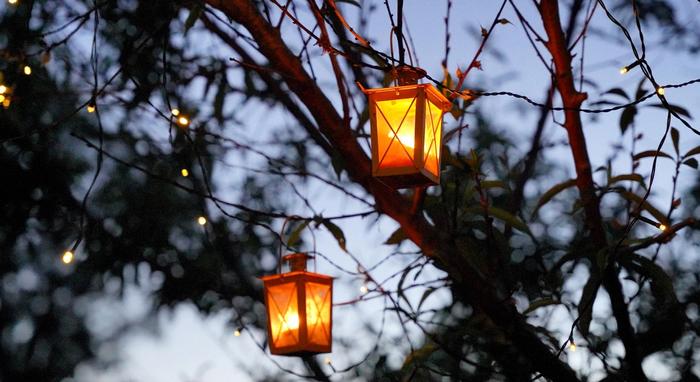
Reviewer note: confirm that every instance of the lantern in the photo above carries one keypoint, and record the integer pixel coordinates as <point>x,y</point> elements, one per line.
<point>406,123</point>
<point>299,309</point>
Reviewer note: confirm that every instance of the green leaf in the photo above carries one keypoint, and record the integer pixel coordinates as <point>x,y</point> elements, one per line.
<point>397,237</point>
<point>486,184</point>
<point>419,355</point>
<point>660,282</point>
<point>501,215</point>
<point>338,165</point>
<point>294,236</point>
<point>552,192</point>
<point>425,295</point>
<point>627,117</point>
<point>617,91</point>
<point>675,137</point>
<point>336,231</point>
<point>692,152</point>
<point>353,2</point>
<point>650,153</point>
<point>509,218</point>
<point>658,215</point>
<point>640,89</point>
<point>195,12</point>
<point>604,103</point>
<point>219,100</point>
<point>540,303</point>
<point>627,177</point>
<point>692,162</point>
<point>677,109</point>
<point>399,288</point>
<point>585,305</point>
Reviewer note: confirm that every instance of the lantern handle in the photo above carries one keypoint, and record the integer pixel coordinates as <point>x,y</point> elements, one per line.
<point>285,244</point>
<point>391,47</point>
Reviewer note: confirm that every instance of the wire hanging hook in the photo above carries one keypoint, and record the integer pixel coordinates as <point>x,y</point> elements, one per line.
<point>283,243</point>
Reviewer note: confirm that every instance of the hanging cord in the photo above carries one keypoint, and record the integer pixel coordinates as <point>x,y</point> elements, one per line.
<point>393,60</point>
<point>401,40</point>
<point>399,31</point>
<point>284,244</point>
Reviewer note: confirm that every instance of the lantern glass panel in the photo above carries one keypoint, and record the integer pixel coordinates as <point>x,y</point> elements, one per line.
<point>396,132</point>
<point>284,314</point>
<point>433,135</point>
<point>318,313</point>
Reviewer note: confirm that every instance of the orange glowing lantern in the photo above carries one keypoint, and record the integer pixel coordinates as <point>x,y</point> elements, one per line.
<point>299,309</point>
<point>406,123</point>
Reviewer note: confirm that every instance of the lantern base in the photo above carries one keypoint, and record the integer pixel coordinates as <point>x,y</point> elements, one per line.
<point>301,353</point>
<point>407,180</point>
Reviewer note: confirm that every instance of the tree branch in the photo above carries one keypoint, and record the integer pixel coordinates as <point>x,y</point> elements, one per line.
<point>572,100</point>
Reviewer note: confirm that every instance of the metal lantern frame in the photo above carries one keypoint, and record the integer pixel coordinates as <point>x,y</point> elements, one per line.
<point>303,290</point>
<point>416,173</point>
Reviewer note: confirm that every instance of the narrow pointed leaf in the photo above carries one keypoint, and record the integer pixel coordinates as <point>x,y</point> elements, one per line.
<point>552,192</point>
<point>650,154</point>
<point>692,162</point>
<point>336,232</point>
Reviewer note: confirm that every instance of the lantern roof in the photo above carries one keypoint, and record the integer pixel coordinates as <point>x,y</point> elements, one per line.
<point>295,274</point>
<point>442,101</point>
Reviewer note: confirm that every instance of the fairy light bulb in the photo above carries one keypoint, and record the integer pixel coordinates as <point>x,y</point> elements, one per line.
<point>2,98</point>
<point>201,220</point>
<point>624,70</point>
<point>3,89</point>
<point>175,112</point>
<point>12,2</point>
<point>364,289</point>
<point>327,360</point>
<point>184,172</point>
<point>662,227</point>
<point>237,332</point>
<point>67,257</point>
<point>91,107</point>
<point>183,121</point>
<point>572,346</point>
<point>6,102</point>
<point>27,70</point>
<point>660,90</point>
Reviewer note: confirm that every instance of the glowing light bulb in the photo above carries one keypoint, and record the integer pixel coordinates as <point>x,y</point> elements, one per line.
<point>364,289</point>
<point>13,2</point>
<point>175,112</point>
<point>2,98</point>
<point>67,257</point>
<point>290,321</point>
<point>91,108</point>
<point>572,347</point>
<point>327,360</point>
<point>201,220</point>
<point>6,103</point>
<point>406,139</point>
<point>183,121</point>
<point>662,227</point>
<point>624,70</point>
<point>3,89</point>
<point>27,70</point>
<point>660,90</point>
<point>237,333</point>
<point>184,172</point>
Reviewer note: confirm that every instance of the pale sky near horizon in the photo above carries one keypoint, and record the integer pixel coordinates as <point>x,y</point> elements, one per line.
<point>191,347</point>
